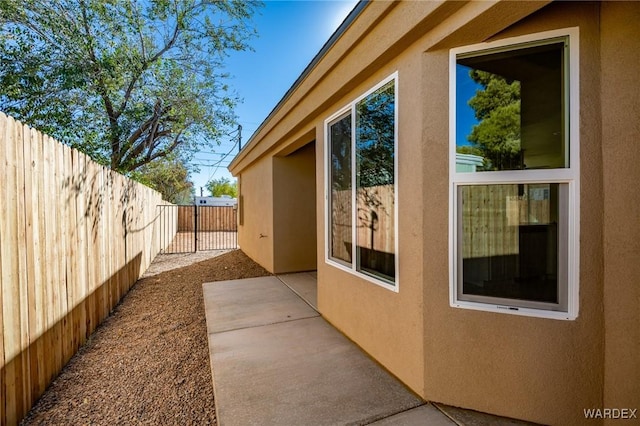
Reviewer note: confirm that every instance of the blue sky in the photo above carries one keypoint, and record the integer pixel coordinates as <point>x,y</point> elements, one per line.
<point>465,115</point>
<point>290,33</point>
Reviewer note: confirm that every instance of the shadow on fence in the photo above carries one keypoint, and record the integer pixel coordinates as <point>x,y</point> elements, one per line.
<point>74,237</point>
<point>26,376</point>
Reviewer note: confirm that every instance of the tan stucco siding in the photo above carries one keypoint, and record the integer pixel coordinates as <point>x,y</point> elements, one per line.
<point>255,235</point>
<point>621,154</point>
<point>386,324</point>
<point>294,210</point>
<point>536,369</point>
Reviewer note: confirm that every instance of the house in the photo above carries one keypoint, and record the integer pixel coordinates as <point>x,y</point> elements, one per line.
<point>468,162</point>
<point>222,201</point>
<point>511,288</point>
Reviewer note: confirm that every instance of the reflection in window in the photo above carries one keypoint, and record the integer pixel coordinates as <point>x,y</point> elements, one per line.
<point>361,147</point>
<point>508,241</point>
<point>516,98</point>
<point>375,142</point>
<point>515,193</point>
<point>341,193</point>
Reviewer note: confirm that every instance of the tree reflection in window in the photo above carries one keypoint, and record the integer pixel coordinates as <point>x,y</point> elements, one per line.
<point>341,194</point>
<point>519,107</point>
<point>375,138</point>
<point>375,146</point>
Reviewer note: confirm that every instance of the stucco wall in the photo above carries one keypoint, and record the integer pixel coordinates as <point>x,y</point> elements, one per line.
<point>255,235</point>
<point>536,369</point>
<point>522,367</point>
<point>620,55</point>
<point>386,324</point>
<point>294,210</point>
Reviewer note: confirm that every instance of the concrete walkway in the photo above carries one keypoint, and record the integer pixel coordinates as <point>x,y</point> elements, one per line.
<point>275,361</point>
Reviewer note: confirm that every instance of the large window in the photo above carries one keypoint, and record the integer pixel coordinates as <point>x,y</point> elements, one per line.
<point>361,192</point>
<point>514,175</point>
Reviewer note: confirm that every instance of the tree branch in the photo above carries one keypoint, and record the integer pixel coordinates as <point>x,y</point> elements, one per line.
<point>144,65</point>
<point>168,150</point>
<point>101,88</point>
<point>147,135</point>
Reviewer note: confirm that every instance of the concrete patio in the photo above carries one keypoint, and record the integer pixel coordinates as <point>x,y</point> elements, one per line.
<point>276,361</point>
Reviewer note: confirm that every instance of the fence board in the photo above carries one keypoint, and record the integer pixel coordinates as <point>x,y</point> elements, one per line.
<point>91,251</point>
<point>11,292</point>
<point>23,362</point>
<point>47,216</point>
<point>40,280</point>
<point>80,314</point>
<point>83,244</point>
<point>53,338</point>
<point>68,241</point>
<point>67,256</point>
<point>3,162</point>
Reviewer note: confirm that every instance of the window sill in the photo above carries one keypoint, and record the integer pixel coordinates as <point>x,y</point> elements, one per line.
<point>514,310</point>
<point>377,281</point>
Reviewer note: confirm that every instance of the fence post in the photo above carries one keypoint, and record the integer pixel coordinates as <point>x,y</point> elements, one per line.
<point>195,227</point>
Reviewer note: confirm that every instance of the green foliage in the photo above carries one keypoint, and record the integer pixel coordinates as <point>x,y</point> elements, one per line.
<point>169,176</point>
<point>469,149</point>
<point>223,186</point>
<point>341,154</point>
<point>497,107</point>
<point>497,93</point>
<point>127,82</point>
<point>375,139</point>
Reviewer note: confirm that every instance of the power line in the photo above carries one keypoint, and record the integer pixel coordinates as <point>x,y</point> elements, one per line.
<point>208,165</point>
<point>237,142</point>
<point>209,160</point>
<point>210,153</point>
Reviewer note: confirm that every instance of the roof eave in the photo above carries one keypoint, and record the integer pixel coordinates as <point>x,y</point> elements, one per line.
<point>252,142</point>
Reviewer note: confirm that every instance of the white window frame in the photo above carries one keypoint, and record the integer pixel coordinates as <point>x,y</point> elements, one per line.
<point>569,176</point>
<point>352,269</point>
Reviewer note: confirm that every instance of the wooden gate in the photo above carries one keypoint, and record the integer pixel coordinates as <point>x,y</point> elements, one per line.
<point>198,228</point>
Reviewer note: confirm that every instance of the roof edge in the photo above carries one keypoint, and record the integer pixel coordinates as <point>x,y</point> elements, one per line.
<point>351,17</point>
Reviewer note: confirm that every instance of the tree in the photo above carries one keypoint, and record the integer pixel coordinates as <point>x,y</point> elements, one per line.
<point>341,154</point>
<point>127,82</point>
<point>375,138</point>
<point>223,186</point>
<point>469,149</point>
<point>497,107</point>
<point>168,176</point>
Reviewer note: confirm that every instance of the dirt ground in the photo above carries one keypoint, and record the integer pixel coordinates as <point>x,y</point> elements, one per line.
<point>148,363</point>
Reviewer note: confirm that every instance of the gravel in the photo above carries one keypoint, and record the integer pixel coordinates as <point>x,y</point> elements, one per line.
<point>148,362</point>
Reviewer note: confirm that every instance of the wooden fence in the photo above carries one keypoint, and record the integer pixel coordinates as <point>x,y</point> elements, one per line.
<point>74,237</point>
<point>210,218</point>
<point>375,221</point>
<point>492,216</point>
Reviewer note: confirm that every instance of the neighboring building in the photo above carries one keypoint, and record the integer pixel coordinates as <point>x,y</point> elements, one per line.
<point>468,162</point>
<point>225,200</point>
<point>511,289</point>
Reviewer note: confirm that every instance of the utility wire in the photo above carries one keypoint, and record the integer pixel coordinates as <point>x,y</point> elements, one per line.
<point>217,164</point>
<point>210,153</point>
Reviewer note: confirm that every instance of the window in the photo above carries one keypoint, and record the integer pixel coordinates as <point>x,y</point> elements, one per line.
<point>514,173</point>
<point>361,186</point>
